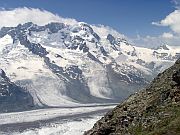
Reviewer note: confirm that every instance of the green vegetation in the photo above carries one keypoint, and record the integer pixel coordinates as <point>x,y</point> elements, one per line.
<point>168,125</point>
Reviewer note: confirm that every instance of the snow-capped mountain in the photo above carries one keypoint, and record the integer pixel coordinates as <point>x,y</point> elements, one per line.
<point>68,65</point>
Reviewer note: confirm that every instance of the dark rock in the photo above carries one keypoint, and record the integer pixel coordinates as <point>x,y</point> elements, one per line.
<point>55,27</point>
<point>103,51</point>
<point>111,39</point>
<point>176,77</point>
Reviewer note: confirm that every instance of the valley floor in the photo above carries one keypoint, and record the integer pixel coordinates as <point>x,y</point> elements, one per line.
<point>52,121</point>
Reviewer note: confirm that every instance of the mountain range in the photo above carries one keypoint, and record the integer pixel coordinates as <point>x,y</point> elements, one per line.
<point>60,64</point>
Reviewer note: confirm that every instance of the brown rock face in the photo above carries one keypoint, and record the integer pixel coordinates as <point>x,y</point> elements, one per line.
<point>154,110</point>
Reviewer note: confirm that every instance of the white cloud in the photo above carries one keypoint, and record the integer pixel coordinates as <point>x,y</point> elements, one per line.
<point>172,21</point>
<point>171,38</point>
<point>167,35</point>
<point>105,30</point>
<point>177,3</point>
<point>16,16</point>
<point>154,41</point>
<point>22,15</point>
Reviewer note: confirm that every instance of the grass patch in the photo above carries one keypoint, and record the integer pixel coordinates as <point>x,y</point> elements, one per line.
<point>165,126</point>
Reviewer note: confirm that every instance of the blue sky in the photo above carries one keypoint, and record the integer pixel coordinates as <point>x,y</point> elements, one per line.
<point>130,17</point>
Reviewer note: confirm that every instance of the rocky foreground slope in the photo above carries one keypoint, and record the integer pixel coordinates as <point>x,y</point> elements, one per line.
<point>154,110</point>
